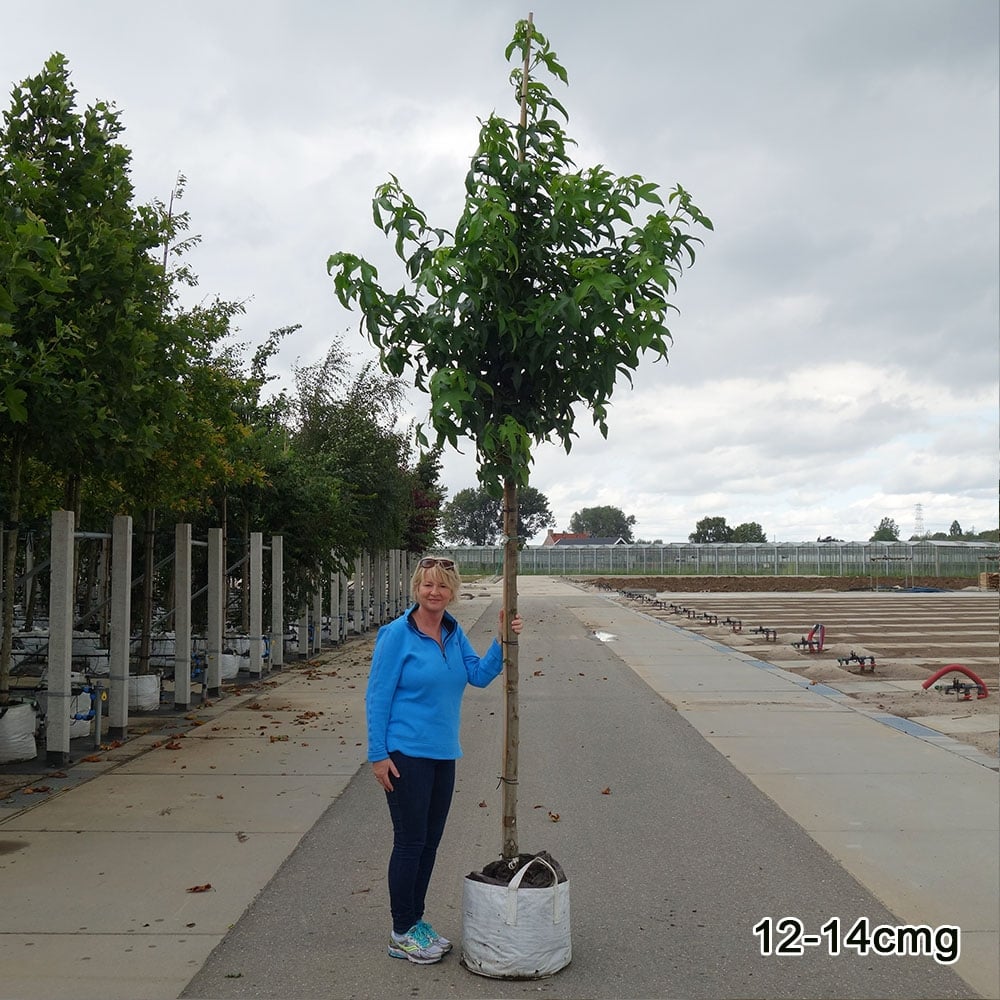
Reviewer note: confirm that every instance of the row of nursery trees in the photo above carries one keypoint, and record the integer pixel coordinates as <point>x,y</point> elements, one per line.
<point>116,397</point>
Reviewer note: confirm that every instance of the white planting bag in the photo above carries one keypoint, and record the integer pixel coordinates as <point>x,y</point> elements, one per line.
<point>17,734</point>
<point>144,692</point>
<point>511,932</point>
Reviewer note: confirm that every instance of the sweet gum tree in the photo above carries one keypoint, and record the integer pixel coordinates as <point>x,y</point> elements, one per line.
<point>553,283</point>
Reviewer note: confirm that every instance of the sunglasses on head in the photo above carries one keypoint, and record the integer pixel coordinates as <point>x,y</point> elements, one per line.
<point>429,562</point>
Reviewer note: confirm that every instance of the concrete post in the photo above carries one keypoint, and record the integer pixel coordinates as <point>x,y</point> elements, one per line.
<point>60,640</point>
<point>256,604</point>
<point>304,633</point>
<point>121,622</point>
<point>366,590</point>
<point>277,603</point>
<point>343,604</point>
<point>317,636</point>
<point>358,594</point>
<point>182,616</point>
<point>393,584</point>
<point>378,590</point>
<point>335,608</point>
<point>216,614</point>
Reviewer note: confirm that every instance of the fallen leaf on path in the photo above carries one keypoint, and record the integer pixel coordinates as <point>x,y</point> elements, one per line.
<point>207,887</point>
<point>94,758</point>
<point>554,817</point>
<point>607,791</point>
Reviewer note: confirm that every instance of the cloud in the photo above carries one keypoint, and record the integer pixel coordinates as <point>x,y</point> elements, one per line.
<point>835,359</point>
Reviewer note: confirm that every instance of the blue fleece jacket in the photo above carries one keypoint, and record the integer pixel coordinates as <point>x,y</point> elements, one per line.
<point>415,688</point>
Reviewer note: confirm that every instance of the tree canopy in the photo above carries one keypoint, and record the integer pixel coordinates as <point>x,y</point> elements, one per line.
<point>545,292</point>
<point>117,397</point>
<point>603,522</point>
<point>715,529</point>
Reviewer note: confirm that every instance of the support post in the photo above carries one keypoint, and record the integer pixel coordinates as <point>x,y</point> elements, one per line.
<point>121,620</point>
<point>512,718</point>
<point>335,608</point>
<point>344,596</point>
<point>317,636</point>
<point>216,614</point>
<point>304,633</point>
<point>60,640</point>
<point>359,591</point>
<point>182,616</point>
<point>256,604</point>
<point>277,602</point>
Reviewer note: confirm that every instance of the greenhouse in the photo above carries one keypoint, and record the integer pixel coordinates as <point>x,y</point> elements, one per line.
<point>894,560</point>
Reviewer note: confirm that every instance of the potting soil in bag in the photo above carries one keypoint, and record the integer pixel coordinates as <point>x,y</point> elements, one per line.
<point>514,928</point>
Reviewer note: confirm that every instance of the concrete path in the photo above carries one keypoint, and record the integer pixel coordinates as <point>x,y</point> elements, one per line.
<point>674,852</point>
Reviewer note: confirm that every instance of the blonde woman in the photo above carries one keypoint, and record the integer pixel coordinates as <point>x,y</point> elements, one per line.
<point>421,665</point>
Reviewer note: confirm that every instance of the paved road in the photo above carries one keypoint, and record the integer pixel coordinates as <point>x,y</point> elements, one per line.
<point>669,872</point>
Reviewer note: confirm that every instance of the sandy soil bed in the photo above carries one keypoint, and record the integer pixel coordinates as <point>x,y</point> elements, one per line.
<point>911,635</point>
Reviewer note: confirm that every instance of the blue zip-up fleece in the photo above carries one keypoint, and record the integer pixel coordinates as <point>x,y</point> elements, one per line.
<point>415,688</point>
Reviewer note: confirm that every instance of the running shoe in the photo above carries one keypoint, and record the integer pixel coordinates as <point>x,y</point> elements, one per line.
<point>427,932</point>
<point>414,947</point>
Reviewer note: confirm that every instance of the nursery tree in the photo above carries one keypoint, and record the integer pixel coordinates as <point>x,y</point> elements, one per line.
<point>77,311</point>
<point>545,292</point>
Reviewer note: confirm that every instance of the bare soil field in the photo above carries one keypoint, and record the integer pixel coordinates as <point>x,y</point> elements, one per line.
<point>910,635</point>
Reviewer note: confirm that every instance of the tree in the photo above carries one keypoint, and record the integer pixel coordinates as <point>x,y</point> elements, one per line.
<point>711,529</point>
<point>544,294</point>
<point>750,531</point>
<point>77,323</point>
<point>475,516</point>
<point>428,500</point>
<point>887,531</point>
<point>603,522</point>
<point>955,531</point>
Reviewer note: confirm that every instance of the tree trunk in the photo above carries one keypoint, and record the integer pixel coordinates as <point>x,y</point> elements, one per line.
<point>10,566</point>
<point>512,718</point>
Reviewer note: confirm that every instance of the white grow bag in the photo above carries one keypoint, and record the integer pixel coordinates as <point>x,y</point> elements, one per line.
<point>17,734</point>
<point>144,692</point>
<point>515,933</point>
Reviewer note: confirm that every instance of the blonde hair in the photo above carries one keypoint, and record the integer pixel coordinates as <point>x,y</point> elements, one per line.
<point>449,577</point>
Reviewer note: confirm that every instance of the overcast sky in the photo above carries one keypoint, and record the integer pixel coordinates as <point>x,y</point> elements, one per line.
<point>835,359</point>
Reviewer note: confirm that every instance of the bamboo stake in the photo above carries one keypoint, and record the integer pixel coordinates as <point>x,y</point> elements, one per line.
<point>512,719</point>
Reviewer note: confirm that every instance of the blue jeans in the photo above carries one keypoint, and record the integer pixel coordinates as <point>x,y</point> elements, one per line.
<point>418,804</point>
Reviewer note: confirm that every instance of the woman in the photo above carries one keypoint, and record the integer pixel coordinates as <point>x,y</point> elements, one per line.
<point>421,665</point>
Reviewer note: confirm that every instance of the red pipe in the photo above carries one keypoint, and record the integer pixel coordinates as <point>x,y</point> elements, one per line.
<point>819,639</point>
<point>983,693</point>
